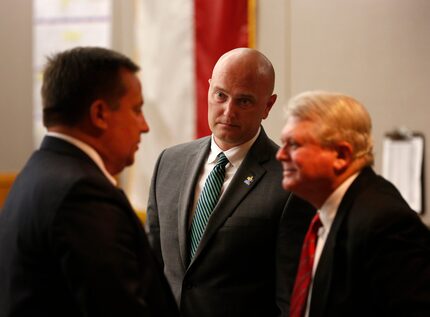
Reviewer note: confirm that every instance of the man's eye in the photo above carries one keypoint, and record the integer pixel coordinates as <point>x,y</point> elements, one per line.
<point>292,145</point>
<point>244,102</point>
<point>219,95</point>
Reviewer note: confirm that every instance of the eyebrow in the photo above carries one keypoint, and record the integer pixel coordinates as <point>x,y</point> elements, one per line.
<point>217,88</point>
<point>246,96</point>
<point>239,96</point>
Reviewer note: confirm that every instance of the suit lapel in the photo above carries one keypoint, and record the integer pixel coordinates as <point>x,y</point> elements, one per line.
<point>195,161</point>
<point>246,178</point>
<point>324,273</point>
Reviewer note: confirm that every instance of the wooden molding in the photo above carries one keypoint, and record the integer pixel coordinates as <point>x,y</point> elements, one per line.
<point>6,181</point>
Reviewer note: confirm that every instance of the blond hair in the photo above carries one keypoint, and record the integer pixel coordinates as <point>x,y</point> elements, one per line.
<point>338,117</point>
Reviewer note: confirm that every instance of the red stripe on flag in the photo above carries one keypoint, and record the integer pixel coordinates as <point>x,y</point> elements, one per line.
<point>220,26</point>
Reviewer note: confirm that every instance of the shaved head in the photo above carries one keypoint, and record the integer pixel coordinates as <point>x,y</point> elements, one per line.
<point>240,96</point>
<point>252,61</point>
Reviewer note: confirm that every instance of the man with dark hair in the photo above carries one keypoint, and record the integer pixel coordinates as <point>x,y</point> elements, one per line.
<point>73,79</point>
<point>70,243</point>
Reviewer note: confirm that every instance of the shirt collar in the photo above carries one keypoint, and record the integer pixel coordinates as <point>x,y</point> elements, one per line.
<point>235,155</point>
<point>329,209</point>
<point>87,149</point>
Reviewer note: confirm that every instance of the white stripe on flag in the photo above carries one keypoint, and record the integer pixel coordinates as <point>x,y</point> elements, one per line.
<point>165,47</point>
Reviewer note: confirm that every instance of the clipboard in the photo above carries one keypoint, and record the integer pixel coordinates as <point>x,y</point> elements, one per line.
<point>403,165</point>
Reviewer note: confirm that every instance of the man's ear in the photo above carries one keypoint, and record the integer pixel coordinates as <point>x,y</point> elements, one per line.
<point>344,156</point>
<point>269,105</point>
<point>99,113</point>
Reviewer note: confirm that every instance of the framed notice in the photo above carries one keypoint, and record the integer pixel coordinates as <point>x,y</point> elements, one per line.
<point>403,165</point>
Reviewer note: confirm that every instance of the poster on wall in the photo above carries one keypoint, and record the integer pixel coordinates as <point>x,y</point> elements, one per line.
<point>59,25</point>
<point>402,164</point>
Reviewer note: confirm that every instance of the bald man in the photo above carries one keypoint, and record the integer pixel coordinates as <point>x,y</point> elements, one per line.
<point>230,251</point>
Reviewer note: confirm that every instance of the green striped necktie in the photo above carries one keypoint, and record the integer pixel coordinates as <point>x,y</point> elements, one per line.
<point>206,203</point>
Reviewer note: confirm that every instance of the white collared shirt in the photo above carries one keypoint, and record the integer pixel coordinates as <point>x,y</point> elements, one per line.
<point>87,149</point>
<point>235,157</point>
<point>327,212</point>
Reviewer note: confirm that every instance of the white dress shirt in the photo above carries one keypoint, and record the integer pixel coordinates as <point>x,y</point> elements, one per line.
<point>327,212</point>
<point>235,157</point>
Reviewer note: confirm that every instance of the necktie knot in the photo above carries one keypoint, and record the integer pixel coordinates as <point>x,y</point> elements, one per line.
<point>315,224</point>
<point>222,160</point>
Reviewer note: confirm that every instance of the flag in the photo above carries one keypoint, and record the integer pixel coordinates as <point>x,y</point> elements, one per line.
<point>178,43</point>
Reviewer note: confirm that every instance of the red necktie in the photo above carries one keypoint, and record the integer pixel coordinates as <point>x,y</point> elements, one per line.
<point>304,273</point>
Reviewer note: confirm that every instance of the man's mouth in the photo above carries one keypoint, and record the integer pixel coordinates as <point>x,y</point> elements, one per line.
<point>289,170</point>
<point>227,124</point>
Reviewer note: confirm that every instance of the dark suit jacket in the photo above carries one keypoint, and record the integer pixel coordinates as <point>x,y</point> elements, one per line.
<point>245,263</point>
<point>376,260</point>
<point>71,245</point>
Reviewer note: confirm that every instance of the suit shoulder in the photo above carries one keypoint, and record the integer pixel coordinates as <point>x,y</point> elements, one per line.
<point>62,168</point>
<point>380,192</point>
<point>265,152</point>
<point>184,148</point>
<point>50,176</point>
<point>272,144</point>
<point>378,204</point>
<point>264,144</point>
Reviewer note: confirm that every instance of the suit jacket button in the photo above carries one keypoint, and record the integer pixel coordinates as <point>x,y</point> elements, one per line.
<point>189,286</point>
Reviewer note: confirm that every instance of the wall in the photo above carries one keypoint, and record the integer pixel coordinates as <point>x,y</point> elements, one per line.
<point>377,51</point>
<point>16,141</point>
<point>275,15</point>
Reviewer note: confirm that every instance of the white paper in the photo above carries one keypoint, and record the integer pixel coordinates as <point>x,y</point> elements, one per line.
<point>402,165</point>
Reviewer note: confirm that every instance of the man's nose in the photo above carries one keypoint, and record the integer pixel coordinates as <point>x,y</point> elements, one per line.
<point>144,127</point>
<point>229,109</point>
<point>282,154</point>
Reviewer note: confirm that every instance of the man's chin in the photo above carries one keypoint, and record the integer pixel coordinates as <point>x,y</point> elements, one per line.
<point>288,185</point>
<point>130,161</point>
<point>226,140</point>
<point>227,132</point>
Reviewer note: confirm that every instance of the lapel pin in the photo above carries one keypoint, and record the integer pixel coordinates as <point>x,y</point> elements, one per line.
<point>249,180</point>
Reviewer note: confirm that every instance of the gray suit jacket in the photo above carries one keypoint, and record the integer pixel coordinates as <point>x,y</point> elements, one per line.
<point>246,260</point>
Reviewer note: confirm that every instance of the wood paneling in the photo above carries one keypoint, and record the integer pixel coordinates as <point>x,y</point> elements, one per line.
<point>6,181</point>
